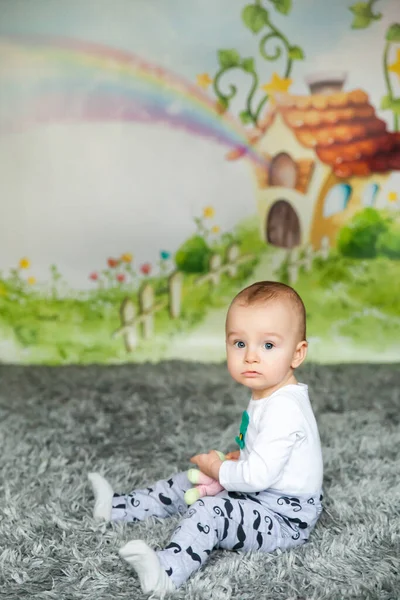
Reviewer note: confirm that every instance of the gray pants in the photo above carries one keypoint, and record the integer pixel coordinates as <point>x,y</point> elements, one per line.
<point>261,521</point>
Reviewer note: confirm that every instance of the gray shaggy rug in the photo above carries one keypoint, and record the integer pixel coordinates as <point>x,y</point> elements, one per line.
<point>138,423</point>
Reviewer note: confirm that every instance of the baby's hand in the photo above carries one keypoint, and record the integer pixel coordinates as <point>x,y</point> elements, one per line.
<point>235,455</point>
<point>209,464</point>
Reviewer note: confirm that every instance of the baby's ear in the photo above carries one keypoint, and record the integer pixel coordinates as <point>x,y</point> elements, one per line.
<point>299,354</point>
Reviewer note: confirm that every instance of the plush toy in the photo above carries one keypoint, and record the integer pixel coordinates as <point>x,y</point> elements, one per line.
<point>204,485</point>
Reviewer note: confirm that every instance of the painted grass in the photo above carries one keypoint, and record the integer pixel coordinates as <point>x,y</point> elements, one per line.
<point>39,329</point>
<point>353,311</point>
<point>354,306</point>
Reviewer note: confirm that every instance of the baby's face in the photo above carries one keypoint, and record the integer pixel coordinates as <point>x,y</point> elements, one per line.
<point>261,344</point>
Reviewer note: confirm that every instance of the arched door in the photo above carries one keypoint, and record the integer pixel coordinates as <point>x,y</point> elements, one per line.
<point>283,225</point>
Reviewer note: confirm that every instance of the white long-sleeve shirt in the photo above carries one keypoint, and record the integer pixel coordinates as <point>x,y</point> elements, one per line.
<point>282,448</point>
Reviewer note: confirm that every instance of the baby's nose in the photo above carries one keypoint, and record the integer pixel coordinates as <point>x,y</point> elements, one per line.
<point>252,356</point>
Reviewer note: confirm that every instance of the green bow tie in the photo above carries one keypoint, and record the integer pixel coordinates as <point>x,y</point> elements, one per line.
<point>242,431</point>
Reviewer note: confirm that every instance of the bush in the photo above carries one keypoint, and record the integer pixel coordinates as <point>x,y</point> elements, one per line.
<point>358,239</point>
<point>388,243</point>
<point>193,256</point>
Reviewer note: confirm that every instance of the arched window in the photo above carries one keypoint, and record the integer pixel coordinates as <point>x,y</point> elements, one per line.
<point>369,194</point>
<point>283,171</point>
<point>336,199</point>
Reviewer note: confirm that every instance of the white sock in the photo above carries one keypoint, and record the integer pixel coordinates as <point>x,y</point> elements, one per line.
<point>103,495</point>
<point>144,560</point>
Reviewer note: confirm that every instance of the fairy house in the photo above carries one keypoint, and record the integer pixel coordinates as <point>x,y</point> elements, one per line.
<point>327,156</point>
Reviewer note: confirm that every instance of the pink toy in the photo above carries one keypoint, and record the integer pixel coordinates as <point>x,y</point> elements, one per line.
<point>205,485</point>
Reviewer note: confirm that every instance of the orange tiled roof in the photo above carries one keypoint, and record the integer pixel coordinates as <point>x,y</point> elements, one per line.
<point>342,128</point>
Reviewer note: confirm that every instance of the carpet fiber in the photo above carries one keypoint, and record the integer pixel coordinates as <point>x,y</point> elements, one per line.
<point>138,423</point>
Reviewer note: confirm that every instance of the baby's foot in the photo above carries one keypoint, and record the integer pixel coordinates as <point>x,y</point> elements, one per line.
<point>152,577</point>
<point>103,495</point>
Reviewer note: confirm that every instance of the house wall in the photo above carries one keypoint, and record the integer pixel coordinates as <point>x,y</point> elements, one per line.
<point>330,226</point>
<point>279,138</point>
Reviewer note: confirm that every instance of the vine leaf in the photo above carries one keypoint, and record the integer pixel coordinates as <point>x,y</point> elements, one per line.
<point>283,6</point>
<point>296,53</point>
<point>223,104</point>
<point>388,103</point>
<point>248,65</point>
<point>255,17</point>
<point>393,33</point>
<point>245,117</point>
<point>228,58</point>
<point>363,15</point>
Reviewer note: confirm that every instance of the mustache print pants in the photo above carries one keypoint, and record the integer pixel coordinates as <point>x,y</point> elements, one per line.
<point>262,521</point>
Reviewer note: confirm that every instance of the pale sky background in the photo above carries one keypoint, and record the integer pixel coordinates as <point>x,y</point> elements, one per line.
<point>78,194</point>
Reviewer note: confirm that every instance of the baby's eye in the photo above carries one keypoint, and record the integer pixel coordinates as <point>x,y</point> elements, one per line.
<point>240,344</point>
<point>268,346</point>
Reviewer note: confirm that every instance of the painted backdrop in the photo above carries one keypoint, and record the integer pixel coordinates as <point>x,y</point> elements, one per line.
<point>156,157</point>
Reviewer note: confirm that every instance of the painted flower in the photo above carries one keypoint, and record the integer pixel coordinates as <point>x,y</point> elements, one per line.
<point>208,212</point>
<point>146,268</point>
<point>395,67</point>
<point>204,80</point>
<point>215,229</point>
<point>121,277</point>
<point>277,85</point>
<point>112,263</point>
<point>24,263</point>
<point>393,196</point>
<point>31,280</point>
<point>165,255</point>
<point>94,276</point>
<point>127,257</point>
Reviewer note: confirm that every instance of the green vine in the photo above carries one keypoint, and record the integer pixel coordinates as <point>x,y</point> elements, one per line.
<point>256,18</point>
<point>364,16</point>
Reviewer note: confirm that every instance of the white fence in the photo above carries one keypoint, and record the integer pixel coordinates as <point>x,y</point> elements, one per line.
<point>218,267</point>
<point>298,258</point>
<point>131,319</point>
<point>136,324</point>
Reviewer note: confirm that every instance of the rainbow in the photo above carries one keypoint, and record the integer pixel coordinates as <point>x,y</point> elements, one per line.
<point>53,79</point>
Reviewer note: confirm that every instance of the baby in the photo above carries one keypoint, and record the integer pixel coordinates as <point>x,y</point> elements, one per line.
<point>272,486</point>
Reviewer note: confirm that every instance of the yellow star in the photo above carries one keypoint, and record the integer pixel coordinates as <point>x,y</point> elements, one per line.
<point>395,67</point>
<point>277,85</point>
<point>204,80</point>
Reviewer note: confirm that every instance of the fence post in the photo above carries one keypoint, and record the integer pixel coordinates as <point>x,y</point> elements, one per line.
<point>324,251</point>
<point>215,264</point>
<point>293,268</point>
<point>232,255</point>
<point>308,257</point>
<point>146,299</point>
<point>175,294</point>
<point>276,261</point>
<point>128,329</point>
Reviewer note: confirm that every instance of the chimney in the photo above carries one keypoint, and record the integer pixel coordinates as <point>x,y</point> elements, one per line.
<point>326,82</point>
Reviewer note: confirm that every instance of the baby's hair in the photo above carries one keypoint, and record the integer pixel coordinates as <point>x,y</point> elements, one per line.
<point>263,291</point>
